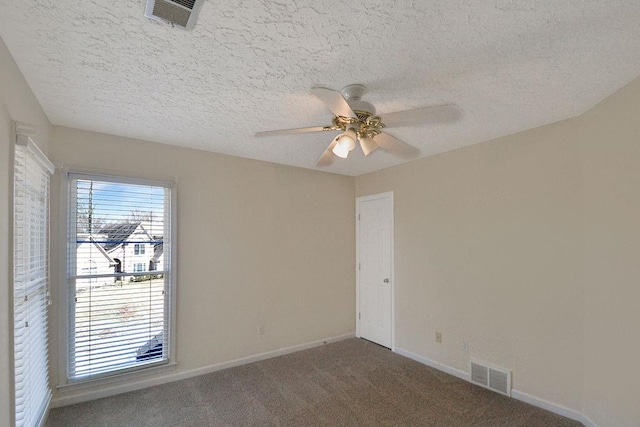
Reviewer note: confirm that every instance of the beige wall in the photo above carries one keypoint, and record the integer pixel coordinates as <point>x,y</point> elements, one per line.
<point>611,173</point>
<point>17,103</point>
<point>485,243</point>
<point>527,246</point>
<point>258,244</point>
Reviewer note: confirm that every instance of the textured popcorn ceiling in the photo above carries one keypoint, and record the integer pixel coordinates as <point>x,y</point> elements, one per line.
<point>248,65</point>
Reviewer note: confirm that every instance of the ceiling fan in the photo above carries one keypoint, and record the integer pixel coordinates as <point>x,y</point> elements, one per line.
<point>358,121</point>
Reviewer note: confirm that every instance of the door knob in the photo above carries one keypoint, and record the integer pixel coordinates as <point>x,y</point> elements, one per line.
<point>386,280</point>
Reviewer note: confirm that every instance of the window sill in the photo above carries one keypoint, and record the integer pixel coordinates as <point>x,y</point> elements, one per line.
<point>96,388</point>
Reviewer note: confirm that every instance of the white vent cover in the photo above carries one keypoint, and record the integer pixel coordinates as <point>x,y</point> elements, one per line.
<point>178,12</point>
<point>490,377</point>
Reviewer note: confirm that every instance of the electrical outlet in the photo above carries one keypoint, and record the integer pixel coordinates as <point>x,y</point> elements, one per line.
<point>465,345</point>
<point>439,337</point>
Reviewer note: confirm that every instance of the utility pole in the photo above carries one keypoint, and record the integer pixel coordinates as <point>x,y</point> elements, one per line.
<point>90,213</point>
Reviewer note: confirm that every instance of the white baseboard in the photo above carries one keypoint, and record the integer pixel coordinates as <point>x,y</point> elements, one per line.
<point>519,395</point>
<point>439,366</point>
<point>71,398</point>
<point>552,407</point>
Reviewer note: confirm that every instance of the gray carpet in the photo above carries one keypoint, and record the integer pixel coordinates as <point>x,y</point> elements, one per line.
<point>348,383</point>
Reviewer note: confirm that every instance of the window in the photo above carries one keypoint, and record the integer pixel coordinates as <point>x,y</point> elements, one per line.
<point>30,281</point>
<point>119,314</point>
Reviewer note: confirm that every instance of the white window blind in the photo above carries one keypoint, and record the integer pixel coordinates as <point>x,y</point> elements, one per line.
<point>30,281</point>
<point>119,275</point>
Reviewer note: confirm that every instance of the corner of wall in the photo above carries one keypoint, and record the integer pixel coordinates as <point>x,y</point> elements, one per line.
<point>17,103</point>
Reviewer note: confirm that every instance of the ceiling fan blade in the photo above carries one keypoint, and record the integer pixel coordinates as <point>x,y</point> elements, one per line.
<point>368,145</point>
<point>394,146</point>
<point>327,157</point>
<point>334,101</point>
<point>428,115</point>
<point>294,131</point>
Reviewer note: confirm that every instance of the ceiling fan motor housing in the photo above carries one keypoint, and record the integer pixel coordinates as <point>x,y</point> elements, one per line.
<point>353,95</point>
<point>365,124</point>
<point>357,105</point>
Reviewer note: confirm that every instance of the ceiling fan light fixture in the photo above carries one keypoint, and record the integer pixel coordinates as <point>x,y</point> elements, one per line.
<point>341,151</point>
<point>367,144</point>
<point>345,142</point>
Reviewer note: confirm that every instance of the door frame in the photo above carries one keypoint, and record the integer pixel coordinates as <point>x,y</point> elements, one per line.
<point>389,197</point>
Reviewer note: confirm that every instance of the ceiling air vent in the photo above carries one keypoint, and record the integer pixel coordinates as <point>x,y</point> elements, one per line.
<point>175,12</point>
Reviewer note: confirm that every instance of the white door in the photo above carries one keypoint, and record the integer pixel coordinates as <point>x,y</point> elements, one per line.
<point>375,266</point>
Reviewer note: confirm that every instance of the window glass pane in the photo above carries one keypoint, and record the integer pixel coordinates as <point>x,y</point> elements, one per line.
<point>119,310</point>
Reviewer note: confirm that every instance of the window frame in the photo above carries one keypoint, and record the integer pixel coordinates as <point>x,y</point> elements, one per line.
<point>64,314</point>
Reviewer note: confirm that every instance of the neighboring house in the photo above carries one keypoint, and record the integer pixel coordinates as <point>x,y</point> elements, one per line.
<point>118,248</point>
<point>92,259</point>
<point>132,247</point>
<point>157,259</point>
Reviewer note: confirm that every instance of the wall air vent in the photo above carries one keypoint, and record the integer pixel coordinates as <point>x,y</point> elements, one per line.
<point>495,379</point>
<point>175,12</point>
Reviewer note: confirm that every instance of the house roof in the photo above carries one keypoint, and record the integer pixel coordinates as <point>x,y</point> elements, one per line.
<point>101,248</point>
<point>91,239</point>
<point>118,234</point>
<point>509,65</point>
<point>158,248</point>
